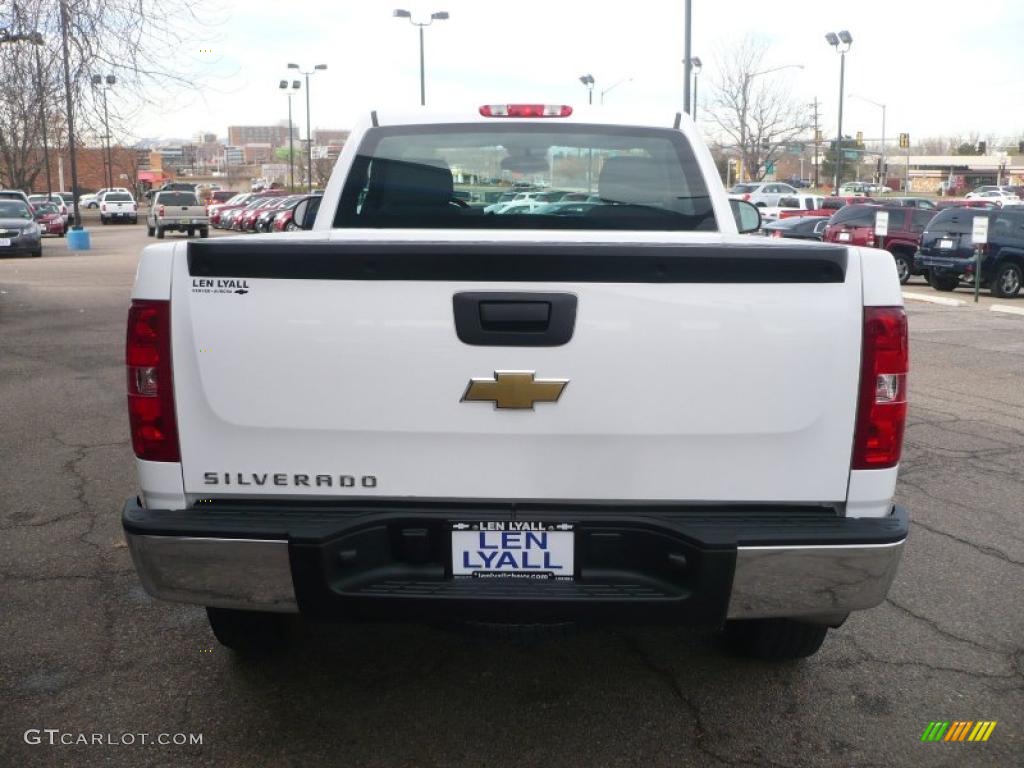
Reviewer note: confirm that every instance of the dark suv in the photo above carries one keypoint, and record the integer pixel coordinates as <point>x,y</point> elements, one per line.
<point>855,225</point>
<point>947,250</point>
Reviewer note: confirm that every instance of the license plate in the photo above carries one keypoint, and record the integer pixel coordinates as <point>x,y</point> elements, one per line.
<point>4,241</point>
<point>947,244</point>
<point>844,237</point>
<point>512,550</point>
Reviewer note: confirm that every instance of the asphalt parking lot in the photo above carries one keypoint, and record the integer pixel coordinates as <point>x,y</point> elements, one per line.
<point>84,650</point>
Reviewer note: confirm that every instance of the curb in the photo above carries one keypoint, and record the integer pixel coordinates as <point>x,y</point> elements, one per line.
<point>937,300</point>
<point>1007,309</point>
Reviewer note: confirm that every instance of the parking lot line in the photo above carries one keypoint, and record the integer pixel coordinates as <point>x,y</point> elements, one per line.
<point>946,302</point>
<point>1007,309</point>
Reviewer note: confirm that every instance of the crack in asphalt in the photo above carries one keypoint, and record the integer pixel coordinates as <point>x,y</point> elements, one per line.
<point>672,684</point>
<point>998,649</point>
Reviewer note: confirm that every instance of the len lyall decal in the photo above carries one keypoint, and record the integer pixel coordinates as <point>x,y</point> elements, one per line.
<point>958,730</point>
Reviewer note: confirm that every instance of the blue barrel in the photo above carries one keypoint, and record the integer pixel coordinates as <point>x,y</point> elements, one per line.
<point>78,240</point>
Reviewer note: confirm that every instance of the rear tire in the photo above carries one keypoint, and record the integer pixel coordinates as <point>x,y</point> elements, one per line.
<point>159,233</point>
<point>249,633</point>
<point>149,231</point>
<point>775,639</point>
<point>204,232</point>
<point>1006,281</point>
<point>904,266</point>
<point>944,283</point>
<point>37,254</point>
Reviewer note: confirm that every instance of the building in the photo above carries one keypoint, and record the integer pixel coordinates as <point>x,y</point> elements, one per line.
<point>325,137</point>
<point>233,156</point>
<point>255,153</point>
<point>274,135</point>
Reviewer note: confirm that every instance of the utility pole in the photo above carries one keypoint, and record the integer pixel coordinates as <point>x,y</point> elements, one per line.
<point>687,54</point>
<point>817,141</point>
<point>64,24</point>
<point>42,121</point>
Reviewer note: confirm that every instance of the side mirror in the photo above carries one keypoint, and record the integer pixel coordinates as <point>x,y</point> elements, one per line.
<point>300,213</point>
<point>305,212</point>
<point>748,218</point>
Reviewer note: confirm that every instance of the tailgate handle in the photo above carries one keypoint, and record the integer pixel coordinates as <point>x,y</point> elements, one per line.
<point>513,319</point>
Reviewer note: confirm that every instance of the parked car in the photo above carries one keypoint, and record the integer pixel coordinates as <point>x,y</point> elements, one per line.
<point>20,234</point>
<point>567,208</point>
<point>88,200</point>
<point>853,189</point>
<point>797,227</point>
<point>829,206</point>
<point>912,202</point>
<point>264,218</point>
<point>118,206</point>
<point>284,220</point>
<point>761,193</point>
<point>217,196</point>
<point>216,212</point>
<point>798,202</point>
<point>960,202</point>
<point>62,207</point>
<point>50,219</point>
<point>947,250</point>
<point>177,212</point>
<point>997,196</point>
<point>855,225</point>
<point>15,194</point>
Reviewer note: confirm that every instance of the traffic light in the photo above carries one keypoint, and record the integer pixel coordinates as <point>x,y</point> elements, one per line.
<point>982,147</point>
<point>1020,148</point>
<point>860,138</point>
<point>818,137</point>
<point>904,141</point>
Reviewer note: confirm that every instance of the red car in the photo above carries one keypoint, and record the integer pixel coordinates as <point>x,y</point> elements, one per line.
<point>215,212</point>
<point>855,225</point>
<point>284,221</point>
<point>829,206</point>
<point>50,219</point>
<point>246,221</point>
<point>962,203</point>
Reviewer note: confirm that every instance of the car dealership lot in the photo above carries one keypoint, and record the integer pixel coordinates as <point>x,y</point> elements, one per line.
<point>86,651</point>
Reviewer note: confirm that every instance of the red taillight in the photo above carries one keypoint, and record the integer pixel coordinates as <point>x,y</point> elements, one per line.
<point>525,110</point>
<point>882,403</point>
<point>161,211</point>
<point>150,383</point>
<point>747,197</point>
<point>871,239</point>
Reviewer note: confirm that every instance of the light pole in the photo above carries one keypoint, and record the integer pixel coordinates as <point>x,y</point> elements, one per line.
<point>289,92</point>
<point>436,16</point>
<point>588,80</point>
<point>687,54</point>
<point>696,65</point>
<point>881,170</point>
<point>841,43</point>
<point>309,135</point>
<point>64,33</point>
<point>105,84</point>
<point>613,86</point>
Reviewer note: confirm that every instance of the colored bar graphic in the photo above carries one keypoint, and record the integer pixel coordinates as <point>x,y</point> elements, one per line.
<point>934,731</point>
<point>958,730</point>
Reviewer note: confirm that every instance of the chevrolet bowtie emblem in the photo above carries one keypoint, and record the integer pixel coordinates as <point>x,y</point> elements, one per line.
<point>514,389</point>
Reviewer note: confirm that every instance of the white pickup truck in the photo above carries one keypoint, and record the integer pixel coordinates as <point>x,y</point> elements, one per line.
<point>420,411</point>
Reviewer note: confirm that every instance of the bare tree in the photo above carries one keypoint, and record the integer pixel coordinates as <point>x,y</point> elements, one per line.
<point>130,39</point>
<point>754,108</point>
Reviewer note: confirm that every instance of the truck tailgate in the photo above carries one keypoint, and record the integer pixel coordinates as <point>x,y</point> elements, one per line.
<point>695,372</point>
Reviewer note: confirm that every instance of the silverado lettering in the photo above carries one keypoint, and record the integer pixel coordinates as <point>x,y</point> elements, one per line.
<point>282,479</point>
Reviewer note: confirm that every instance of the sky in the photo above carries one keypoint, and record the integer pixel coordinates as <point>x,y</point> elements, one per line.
<point>940,67</point>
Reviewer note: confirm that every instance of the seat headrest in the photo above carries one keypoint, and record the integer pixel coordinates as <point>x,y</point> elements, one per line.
<point>635,180</point>
<point>410,182</point>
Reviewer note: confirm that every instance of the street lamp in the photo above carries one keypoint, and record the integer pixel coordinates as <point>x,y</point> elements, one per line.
<point>613,86</point>
<point>436,16</point>
<point>105,84</point>
<point>588,80</point>
<point>289,92</point>
<point>881,171</point>
<point>696,65</point>
<point>309,135</point>
<point>841,43</point>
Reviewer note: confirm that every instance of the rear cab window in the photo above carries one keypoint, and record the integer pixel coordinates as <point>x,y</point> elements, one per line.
<point>117,197</point>
<point>855,216</point>
<point>441,177</point>
<point>177,198</point>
